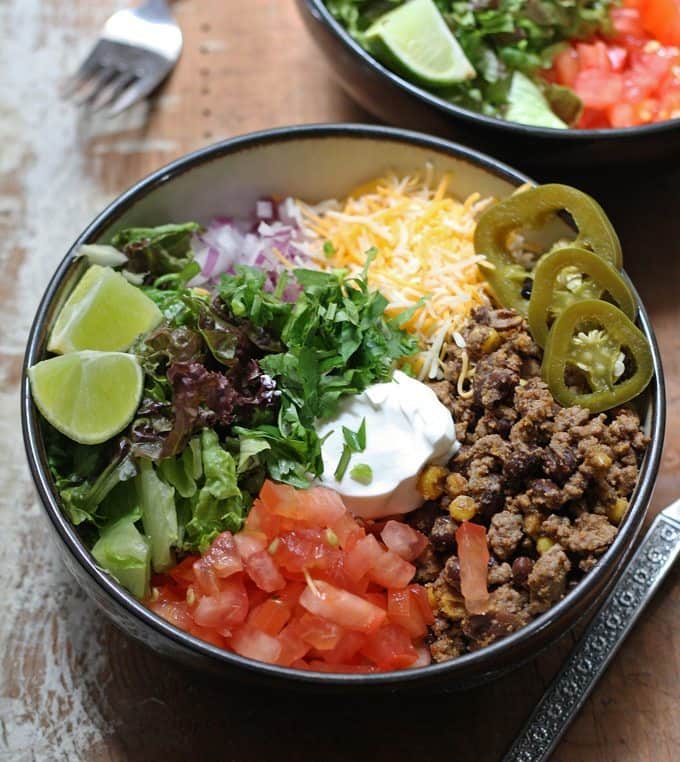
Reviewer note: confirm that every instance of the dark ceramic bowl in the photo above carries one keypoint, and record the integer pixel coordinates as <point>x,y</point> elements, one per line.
<point>314,163</point>
<point>397,101</point>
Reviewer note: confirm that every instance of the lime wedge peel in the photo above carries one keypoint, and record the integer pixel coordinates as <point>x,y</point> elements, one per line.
<point>88,396</point>
<point>415,41</point>
<point>104,312</point>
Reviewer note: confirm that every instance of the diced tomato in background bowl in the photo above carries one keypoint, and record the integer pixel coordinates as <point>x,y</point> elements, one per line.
<point>631,78</point>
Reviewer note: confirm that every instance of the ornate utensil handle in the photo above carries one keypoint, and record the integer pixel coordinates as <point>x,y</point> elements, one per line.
<point>601,640</point>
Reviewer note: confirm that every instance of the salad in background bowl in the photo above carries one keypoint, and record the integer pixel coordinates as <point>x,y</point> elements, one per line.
<point>543,82</point>
<point>273,428</point>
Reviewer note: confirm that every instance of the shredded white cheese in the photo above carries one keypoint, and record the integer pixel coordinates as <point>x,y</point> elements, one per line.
<point>424,240</point>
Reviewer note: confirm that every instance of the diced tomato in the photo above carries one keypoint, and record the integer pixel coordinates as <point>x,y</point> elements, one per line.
<point>567,66</point>
<point>252,643</point>
<point>661,19</point>
<point>361,557</point>
<point>598,89</point>
<point>419,595</point>
<point>627,21</point>
<point>638,83</point>
<point>403,610</point>
<point>183,573</point>
<point>223,556</point>
<point>176,613</point>
<point>305,548</point>
<point>623,115</point>
<point>226,609</point>
<point>320,507</point>
<point>249,543</point>
<point>290,595</point>
<point>260,567</point>
<point>347,530</point>
<point>403,540</point>
<point>247,594</point>
<point>593,56</point>
<point>207,634</point>
<point>293,648</point>
<point>319,632</point>
<point>390,648</point>
<point>347,648</point>
<point>271,616</point>
<point>669,106</point>
<point>343,608</point>
<point>473,556</point>
<point>260,519</point>
<point>390,570</point>
<point>617,56</point>
<point>321,666</point>
<point>625,80</point>
<point>273,495</point>
<point>206,577</point>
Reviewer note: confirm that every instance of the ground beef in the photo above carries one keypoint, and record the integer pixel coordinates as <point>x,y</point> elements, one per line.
<point>505,534</point>
<point>548,579</point>
<point>538,474</point>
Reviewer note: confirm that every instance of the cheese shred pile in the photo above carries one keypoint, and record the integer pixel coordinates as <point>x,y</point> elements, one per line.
<point>423,237</point>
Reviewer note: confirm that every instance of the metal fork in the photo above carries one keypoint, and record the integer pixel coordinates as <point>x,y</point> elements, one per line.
<point>136,50</point>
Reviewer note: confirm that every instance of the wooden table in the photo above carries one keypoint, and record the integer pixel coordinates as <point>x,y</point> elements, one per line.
<point>72,686</point>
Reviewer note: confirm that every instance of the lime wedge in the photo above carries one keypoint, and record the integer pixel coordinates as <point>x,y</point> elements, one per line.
<point>88,396</point>
<point>103,312</point>
<point>528,105</point>
<point>415,41</point>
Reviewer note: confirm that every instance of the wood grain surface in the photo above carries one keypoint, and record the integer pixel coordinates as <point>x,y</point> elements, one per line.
<point>73,687</point>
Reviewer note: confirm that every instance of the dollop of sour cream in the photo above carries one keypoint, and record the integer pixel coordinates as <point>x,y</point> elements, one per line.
<point>407,427</point>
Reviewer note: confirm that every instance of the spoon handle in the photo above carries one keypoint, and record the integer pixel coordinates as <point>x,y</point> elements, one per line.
<point>590,657</point>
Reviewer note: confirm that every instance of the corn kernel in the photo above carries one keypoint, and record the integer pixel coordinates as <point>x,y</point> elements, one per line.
<point>432,598</point>
<point>617,510</point>
<point>543,544</point>
<point>491,342</point>
<point>599,458</point>
<point>451,605</point>
<point>431,482</point>
<point>532,523</point>
<point>463,508</point>
<point>191,596</point>
<point>456,484</point>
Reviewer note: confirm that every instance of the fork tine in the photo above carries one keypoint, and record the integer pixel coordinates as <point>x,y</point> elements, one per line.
<point>111,91</point>
<point>137,90</point>
<point>84,73</point>
<point>95,85</point>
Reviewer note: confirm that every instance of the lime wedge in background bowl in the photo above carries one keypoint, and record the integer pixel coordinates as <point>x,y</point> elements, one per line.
<point>104,313</point>
<point>88,396</point>
<point>415,40</point>
<point>528,105</point>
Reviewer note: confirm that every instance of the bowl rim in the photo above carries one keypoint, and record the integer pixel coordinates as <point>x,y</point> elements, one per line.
<point>318,9</point>
<point>35,450</point>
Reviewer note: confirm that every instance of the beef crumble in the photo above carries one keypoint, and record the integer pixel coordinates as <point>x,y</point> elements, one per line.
<point>550,484</point>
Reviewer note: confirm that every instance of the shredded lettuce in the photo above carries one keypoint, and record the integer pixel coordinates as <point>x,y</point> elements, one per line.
<point>498,37</point>
<point>159,515</point>
<point>219,504</point>
<point>125,553</point>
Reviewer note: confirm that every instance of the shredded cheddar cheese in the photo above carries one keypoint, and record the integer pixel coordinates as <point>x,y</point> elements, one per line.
<point>424,242</point>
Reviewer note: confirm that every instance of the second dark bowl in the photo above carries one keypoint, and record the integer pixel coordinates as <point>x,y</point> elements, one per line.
<point>396,101</point>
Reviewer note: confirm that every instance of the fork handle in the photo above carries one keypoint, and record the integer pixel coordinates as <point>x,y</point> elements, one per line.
<point>161,7</point>
<point>601,640</point>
